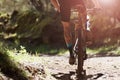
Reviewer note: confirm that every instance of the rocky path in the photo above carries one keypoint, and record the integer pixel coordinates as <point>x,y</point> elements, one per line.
<point>57,68</point>
<point>99,68</point>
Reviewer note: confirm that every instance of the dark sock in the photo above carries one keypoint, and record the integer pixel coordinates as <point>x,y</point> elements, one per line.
<point>71,51</point>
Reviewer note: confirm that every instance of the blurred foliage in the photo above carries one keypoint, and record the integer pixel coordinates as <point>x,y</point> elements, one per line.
<point>28,25</point>
<point>105,23</point>
<point>11,5</point>
<point>36,22</point>
<point>8,66</point>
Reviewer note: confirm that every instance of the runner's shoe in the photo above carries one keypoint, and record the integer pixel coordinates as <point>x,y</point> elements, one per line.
<point>72,60</point>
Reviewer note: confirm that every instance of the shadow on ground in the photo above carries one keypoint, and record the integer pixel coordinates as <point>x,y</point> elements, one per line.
<point>64,76</point>
<point>68,76</point>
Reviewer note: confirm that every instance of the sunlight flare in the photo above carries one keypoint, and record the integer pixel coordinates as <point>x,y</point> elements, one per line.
<point>107,2</point>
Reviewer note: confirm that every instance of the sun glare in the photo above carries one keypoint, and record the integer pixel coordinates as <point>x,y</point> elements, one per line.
<point>107,2</point>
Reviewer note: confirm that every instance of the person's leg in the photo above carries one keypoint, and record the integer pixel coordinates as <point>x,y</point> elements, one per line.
<point>68,40</point>
<point>65,19</point>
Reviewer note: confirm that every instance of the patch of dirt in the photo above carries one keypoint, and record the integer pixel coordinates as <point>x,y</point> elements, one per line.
<point>97,68</point>
<point>58,68</point>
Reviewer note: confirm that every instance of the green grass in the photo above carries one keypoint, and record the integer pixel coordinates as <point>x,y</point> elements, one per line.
<point>28,53</point>
<point>9,66</point>
<point>106,50</point>
<point>45,49</point>
<point>31,53</point>
<point>20,57</point>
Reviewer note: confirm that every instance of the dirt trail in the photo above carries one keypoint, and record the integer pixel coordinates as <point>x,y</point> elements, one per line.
<point>57,68</point>
<point>99,68</point>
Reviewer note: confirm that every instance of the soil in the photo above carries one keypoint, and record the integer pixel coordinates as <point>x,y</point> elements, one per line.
<point>57,68</point>
<point>97,68</point>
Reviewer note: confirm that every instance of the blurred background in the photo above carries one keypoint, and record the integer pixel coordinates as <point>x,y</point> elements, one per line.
<point>31,28</point>
<point>35,25</point>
